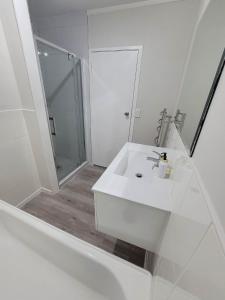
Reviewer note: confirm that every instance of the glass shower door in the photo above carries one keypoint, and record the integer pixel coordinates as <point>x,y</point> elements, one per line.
<point>61,74</point>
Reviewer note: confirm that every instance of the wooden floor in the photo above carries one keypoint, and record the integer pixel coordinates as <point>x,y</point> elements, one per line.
<point>72,210</point>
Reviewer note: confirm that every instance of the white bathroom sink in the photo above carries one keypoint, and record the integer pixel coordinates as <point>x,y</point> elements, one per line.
<point>135,163</point>
<point>120,178</point>
<point>132,203</point>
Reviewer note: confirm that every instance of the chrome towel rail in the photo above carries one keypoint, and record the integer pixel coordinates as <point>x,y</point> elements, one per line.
<point>162,129</point>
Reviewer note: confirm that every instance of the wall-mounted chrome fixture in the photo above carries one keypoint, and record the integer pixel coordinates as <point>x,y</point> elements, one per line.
<point>179,120</point>
<point>162,129</point>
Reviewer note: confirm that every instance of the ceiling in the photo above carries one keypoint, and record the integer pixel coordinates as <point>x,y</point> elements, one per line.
<point>45,8</point>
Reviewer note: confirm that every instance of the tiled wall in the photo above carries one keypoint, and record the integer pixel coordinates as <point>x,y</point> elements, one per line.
<point>18,175</point>
<point>23,91</point>
<point>191,261</point>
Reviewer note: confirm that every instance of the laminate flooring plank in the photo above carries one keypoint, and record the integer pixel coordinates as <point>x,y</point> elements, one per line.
<point>72,210</point>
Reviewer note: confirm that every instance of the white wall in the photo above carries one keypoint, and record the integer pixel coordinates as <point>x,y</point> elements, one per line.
<point>159,28</point>
<point>37,121</point>
<point>203,6</point>
<point>165,32</point>
<point>24,168</point>
<point>191,261</point>
<point>210,35</point>
<point>191,264</point>
<point>19,176</point>
<point>210,150</point>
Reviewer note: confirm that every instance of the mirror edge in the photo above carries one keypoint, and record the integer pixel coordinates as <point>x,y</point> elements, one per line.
<point>208,103</point>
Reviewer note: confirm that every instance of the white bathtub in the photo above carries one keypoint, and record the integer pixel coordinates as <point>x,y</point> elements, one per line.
<point>41,262</point>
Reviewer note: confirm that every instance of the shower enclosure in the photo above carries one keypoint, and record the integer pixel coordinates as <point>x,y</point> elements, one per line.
<point>62,81</point>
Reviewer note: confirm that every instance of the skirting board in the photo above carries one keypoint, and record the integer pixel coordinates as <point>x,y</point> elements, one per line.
<point>33,195</point>
<point>46,191</point>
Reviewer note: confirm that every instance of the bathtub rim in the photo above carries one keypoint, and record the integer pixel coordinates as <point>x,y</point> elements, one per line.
<point>88,250</point>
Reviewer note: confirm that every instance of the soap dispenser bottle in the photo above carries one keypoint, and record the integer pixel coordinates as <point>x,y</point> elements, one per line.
<point>163,165</point>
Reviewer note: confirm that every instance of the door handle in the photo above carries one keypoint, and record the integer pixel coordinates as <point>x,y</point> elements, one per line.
<point>127,114</point>
<point>52,120</point>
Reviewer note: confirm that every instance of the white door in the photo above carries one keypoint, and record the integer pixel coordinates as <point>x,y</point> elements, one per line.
<point>113,81</point>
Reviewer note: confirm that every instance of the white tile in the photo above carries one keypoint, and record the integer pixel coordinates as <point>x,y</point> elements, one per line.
<point>160,288</point>
<point>181,176</point>
<point>194,206</point>
<point>10,97</point>
<point>12,126</point>
<point>180,294</point>
<point>155,263</point>
<point>18,176</point>
<point>36,142</point>
<point>204,277</point>
<point>187,226</point>
<point>168,270</point>
<point>179,243</point>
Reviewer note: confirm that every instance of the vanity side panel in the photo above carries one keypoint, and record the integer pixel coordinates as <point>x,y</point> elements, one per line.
<point>187,226</point>
<point>201,275</point>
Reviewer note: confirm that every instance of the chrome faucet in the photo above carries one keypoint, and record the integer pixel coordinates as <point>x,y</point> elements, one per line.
<point>155,160</point>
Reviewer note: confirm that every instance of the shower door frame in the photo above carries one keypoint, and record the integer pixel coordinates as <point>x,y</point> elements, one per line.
<point>37,38</point>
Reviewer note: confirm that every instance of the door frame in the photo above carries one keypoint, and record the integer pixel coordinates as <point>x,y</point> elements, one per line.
<point>136,84</point>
